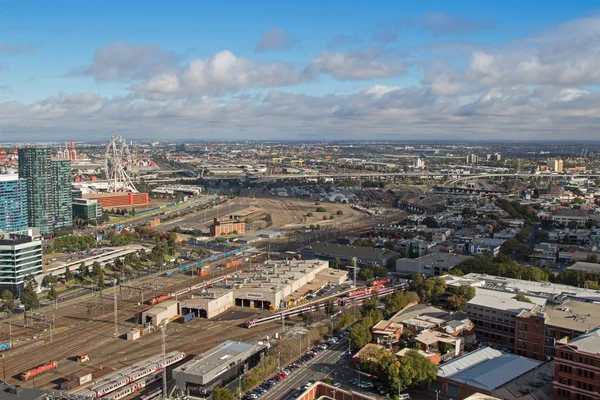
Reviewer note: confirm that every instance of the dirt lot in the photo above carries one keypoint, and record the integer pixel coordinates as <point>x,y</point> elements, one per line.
<point>287,214</point>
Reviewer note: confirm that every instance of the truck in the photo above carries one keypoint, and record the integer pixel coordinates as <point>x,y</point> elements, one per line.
<point>40,369</point>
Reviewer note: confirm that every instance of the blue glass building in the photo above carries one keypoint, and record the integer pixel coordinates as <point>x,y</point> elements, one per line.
<point>13,203</point>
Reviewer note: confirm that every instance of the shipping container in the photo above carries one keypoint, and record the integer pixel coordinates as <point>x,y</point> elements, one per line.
<point>5,346</point>
<point>187,317</point>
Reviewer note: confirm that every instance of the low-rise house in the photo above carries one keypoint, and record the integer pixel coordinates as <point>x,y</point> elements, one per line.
<point>387,332</point>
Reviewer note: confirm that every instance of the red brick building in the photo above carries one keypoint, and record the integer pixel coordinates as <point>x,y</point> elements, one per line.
<point>538,330</point>
<point>227,225</point>
<point>577,368</point>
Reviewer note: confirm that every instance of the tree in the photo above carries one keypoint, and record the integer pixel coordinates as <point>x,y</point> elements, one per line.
<point>29,297</point>
<point>321,209</point>
<point>49,281</point>
<point>465,291</point>
<point>592,258</point>
<point>360,336</point>
<point>522,297</point>
<point>329,308</point>
<point>457,303</point>
<point>248,220</point>
<point>310,214</point>
<point>340,212</point>
<point>8,300</point>
<point>398,300</point>
<point>370,303</point>
<point>221,394</point>
<point>269,219</point>
<point>52,294</point>
<point>96,269</point>
<point>68,275</point>
<point>430,222</point>
<point>308,318</point>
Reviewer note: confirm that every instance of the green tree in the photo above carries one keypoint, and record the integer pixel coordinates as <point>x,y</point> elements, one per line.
<point>321,209</point>
<point>340,212</point>
<point>430,222</point>
<point>465,291</point>
<point>398,300</point>
<point>96,269</point>
<point>83,270</point>
<point>269,219</point>
<point>52,294</point>
<point>360,336</point>
<point>308,318</point>
<point>221,394</point>
<point>457,303</point>
<point>329,308</point>
<point>522,297</point>
<point>49,281</point>
<point>68,275</point>
<point>310,214</point>
<point>29,297</point>
<point>8,301</point>
<point>248,220</point>
<point>370,303</point>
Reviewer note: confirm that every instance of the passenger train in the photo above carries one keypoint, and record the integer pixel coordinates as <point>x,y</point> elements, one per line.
<point>127,376</point>
<point>134,387</point>
<point>361,295</point>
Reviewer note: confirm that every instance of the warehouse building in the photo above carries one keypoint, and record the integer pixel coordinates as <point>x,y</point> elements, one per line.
<point>208,304</point>
<point>434,264</point>
<point>227,225</point>
<point>216,367</point>
<point>268,287</point>
<point>164,311</point>
<point>363,255</point>
<point>483,371</point>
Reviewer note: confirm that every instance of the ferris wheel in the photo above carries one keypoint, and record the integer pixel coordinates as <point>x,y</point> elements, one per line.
<point>117,165</point>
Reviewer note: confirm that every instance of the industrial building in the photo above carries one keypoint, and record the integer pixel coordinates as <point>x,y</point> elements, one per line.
<point>13,203</point>
<point>363,255</point>
<point>276,284</point>
<point>208,304</point>
<point>434,264</point>
<point>216,367</point>
<point>20,256</point>
<point>227,225</point>
<point>48,190</point>
<point>119,199</point>
<point>483,371</point>
<point>87,209</point>
<point>157,314</point>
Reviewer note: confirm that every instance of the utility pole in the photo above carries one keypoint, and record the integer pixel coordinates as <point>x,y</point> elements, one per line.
<point>354,259</point>
<point>163,330</point>
<point>116,318</point>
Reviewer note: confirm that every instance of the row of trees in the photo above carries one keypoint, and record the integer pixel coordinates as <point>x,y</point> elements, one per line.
<point>72,243</point>
<point>501,265</point>
<point>371,271</point>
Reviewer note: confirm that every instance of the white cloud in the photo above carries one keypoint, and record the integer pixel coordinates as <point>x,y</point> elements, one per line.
<point>355,65</point>
<point>121,61</point>
<point>568,55</point>
<point>275,39</point>
<point>220,74</point>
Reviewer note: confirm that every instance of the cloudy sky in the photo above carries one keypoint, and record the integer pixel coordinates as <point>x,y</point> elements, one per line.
<point>311,70</point>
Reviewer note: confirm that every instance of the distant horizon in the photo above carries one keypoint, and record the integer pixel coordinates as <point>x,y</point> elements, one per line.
<point>389,71</point>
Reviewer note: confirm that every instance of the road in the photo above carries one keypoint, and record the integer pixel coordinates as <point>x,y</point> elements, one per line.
<point>325,365</point>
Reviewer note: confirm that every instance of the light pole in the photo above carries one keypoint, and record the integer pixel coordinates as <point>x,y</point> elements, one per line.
<point>437,394</point>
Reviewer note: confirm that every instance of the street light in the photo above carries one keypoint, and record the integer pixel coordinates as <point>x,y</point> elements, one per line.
<point>437,393</point>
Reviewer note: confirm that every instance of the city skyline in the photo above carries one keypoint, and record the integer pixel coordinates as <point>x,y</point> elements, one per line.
<point>204,71</point>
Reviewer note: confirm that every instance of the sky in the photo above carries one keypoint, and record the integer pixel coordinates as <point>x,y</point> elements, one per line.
<point>303,71</point>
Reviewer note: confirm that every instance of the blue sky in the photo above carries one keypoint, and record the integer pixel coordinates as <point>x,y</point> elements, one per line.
<point>335,70</point>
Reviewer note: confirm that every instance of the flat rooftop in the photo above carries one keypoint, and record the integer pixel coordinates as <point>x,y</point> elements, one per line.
<point>530,288</point>
<point>502,303</point>
<point>419,310</point>
<point>218,357</point>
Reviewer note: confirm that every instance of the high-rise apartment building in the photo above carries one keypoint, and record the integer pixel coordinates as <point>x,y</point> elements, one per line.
<point>577,368</point>
<point>13,203</point>
<point>20,256</point>
<point>48,190</point>
<point>556,165</point>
